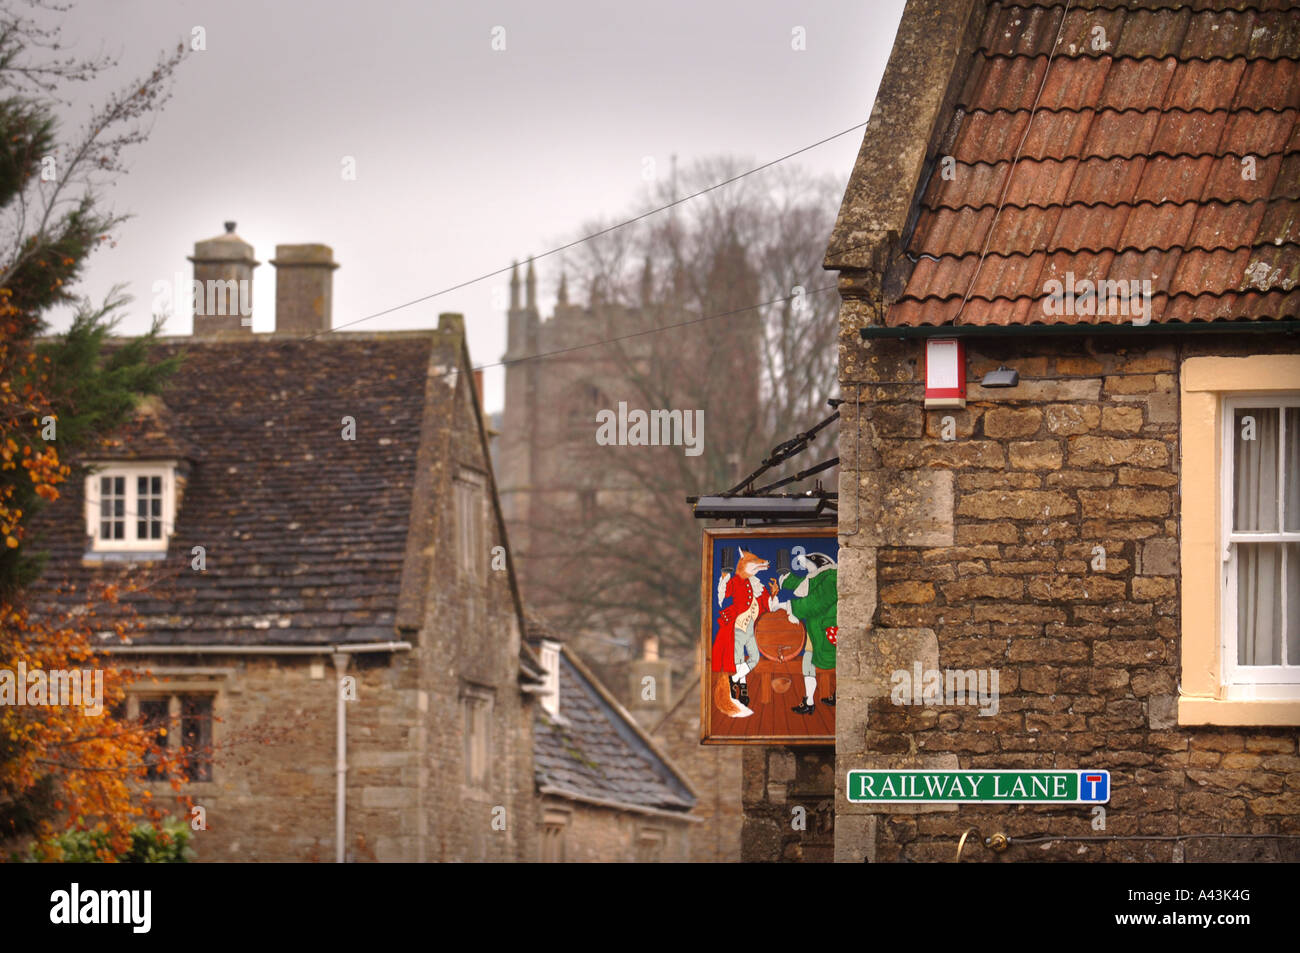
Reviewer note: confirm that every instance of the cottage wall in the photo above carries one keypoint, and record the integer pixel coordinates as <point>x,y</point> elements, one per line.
<point>979,552</point>
<point>595,834</point>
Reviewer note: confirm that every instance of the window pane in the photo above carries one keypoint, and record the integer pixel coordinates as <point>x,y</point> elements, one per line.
<point>1255,461</point>
<point>1293,604</point>
<point>1259,604</point>
<point>153,713</point>
<point>1291,473</point>
<point>196,736</point>
<point>112,508</point>
<point>148,507</point>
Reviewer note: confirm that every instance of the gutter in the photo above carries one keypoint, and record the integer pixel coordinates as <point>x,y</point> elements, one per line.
<point>341,660</point>
<point>359,647</point>
<point>876,331</point>
<point>547,789</point>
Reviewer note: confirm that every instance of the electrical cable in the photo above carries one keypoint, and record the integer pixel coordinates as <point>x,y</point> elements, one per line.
<point>593,235</point>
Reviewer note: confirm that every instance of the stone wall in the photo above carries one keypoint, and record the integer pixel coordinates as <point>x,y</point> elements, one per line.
<point>789,804</point>
<point>273,793</point>
<point>981,552</point>
<point>272,797</point>
<point>714,772</point>
<point>602,835</point>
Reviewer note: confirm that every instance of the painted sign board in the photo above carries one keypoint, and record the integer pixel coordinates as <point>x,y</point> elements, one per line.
<point>769,598</point>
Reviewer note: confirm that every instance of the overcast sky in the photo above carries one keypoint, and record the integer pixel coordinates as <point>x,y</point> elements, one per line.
<point>466,157</point>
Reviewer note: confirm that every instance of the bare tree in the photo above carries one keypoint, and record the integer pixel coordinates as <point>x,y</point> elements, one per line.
<point>719,306</point>
<point>57,211</point>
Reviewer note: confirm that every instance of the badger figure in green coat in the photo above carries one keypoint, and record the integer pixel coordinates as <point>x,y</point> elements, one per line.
<point>811,599</point>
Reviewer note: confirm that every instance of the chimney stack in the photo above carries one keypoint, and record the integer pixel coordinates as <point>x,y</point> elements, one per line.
<point>222,291</point>
<point>304,288</point>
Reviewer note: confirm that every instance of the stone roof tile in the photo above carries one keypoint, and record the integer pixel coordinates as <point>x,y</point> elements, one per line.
<point>304,532</point>
<point>595,754</point>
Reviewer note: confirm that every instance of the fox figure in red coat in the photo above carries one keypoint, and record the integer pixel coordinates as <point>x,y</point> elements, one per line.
<point>735,650</point>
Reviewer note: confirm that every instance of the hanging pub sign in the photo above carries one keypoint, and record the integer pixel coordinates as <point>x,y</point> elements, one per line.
<point>769,600</point>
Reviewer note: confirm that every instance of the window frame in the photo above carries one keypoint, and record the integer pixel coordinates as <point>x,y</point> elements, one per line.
<point>174,698</point>
<point>130,472</point>
<point>1250,681</point>
<point>554,836</point>
<point>470,493</point>
<point>650,845</point>
<point>477,705</point>
<point>1205,382</point>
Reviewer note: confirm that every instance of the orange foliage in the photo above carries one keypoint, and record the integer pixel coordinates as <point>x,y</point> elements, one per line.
<point>96,762</point>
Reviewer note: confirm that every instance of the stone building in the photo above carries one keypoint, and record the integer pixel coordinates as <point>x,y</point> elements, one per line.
<point>1116,534</point>
<point>556,480</point>
<point>328,615</point>
<point>608,792</point>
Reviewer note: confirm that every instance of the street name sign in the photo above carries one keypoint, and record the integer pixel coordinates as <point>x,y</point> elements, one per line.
<point>1073,786</point>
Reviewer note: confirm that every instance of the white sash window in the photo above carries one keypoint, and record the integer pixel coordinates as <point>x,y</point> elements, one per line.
<point>130,507</point>
<point>1260,532</point>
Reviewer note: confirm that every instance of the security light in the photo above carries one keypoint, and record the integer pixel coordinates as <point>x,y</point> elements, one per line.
<point>1002,377</point>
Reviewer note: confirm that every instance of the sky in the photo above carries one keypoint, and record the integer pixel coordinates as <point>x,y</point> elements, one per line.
<point>466,157</point>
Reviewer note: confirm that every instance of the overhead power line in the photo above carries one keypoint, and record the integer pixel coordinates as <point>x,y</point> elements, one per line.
<point>593,235</point>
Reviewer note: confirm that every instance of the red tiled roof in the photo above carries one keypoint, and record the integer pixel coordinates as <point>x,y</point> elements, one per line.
<point>1132,167</point>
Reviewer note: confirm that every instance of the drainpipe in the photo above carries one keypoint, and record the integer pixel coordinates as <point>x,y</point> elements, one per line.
<point>341,764</point>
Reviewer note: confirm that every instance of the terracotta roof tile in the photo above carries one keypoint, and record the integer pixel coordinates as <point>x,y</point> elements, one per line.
<point>1281,224</point>
<point>1105,180</point>
<point>1136,163</point>
<point>1153,226</point>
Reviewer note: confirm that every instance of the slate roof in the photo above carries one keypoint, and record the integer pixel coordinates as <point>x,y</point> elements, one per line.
<point>597,754</point>
<point>1131,168</point>
<point>153,433</point>
<point>304,532</point>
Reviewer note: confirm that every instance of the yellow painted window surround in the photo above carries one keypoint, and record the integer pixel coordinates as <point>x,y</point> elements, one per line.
<point>1207,385</point>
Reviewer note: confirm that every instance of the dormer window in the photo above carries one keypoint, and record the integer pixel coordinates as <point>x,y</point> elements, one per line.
<point>130,507</point>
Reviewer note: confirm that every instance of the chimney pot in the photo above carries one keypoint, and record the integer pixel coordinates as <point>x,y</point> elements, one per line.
<point>223,293</point>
